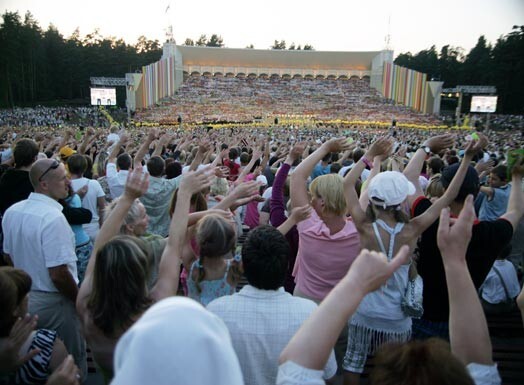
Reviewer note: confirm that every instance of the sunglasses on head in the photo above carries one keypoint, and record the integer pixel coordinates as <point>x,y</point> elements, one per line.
<point>53,166</point>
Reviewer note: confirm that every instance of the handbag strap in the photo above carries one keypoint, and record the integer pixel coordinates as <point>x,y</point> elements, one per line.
<point>508,298</point>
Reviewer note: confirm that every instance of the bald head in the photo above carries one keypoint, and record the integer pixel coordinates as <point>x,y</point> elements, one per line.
<point>40,169</point>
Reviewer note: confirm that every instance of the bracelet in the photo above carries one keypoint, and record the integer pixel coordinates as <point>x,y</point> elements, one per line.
<point>367,162</point>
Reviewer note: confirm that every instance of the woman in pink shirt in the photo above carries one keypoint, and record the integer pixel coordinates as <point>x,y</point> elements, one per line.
<point>328,240</point>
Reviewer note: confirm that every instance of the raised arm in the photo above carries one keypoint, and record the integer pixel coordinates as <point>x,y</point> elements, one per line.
<point>203,147</point>
<point>412,171</point>
<point>142,151</point>
<point>364,198</point>
<point>162,142</point>
<point>256,155</point>
<point>311,345</point>
<point>468,329</point>
<point>516,197</point>
<point>240,195</point>
<point>136,185</point>
<point>422,222</point>
<point>381,147</point>
<point>116,148</point>
<point>169,268</point>
<point>298,214</point>
<point>276,204</point>
<point>299,194</point>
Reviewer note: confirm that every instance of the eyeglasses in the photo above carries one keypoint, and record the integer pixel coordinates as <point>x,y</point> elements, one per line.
<point>53,166</point>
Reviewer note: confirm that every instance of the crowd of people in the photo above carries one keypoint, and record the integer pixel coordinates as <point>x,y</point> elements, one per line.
<point>125,241</point>
<point>234,99</point>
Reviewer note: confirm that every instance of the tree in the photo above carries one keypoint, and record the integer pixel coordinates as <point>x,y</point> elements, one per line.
<point>308,47</point>
<point>279,45</point>
<point>477,66</point>
<point>251,46</point>
<point>215,41</point>
<point>189,42</point>
<point>292,47</point>
<point>202,41</point>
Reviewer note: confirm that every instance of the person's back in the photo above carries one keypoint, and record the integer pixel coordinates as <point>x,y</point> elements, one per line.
<point>262,317</point>
<point>158,197</point>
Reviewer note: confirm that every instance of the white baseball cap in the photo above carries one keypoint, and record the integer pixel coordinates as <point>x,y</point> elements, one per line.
<point>389,188</point>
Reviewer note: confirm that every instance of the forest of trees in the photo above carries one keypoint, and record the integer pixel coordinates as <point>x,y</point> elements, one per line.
<point>43,67</point>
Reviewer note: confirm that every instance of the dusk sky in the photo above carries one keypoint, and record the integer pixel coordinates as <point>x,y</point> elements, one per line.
<point>328,25</point>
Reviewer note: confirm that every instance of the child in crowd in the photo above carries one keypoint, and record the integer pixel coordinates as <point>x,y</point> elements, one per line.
<point>384,226</point>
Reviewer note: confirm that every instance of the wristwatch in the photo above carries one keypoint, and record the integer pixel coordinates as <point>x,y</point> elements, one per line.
<point>426,149</point>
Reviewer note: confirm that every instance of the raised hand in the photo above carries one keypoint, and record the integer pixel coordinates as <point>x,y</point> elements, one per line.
<point>337,145</point>
<point>297,150</point>
<point>453,236</point>
<point>381,147</point>
<point>137,183</point>
<point>196,181</point>
<point>301,213</point>
<point>440,142</point>
<point>152,134</point>
<point>518,167</point>
<point>371,269</point>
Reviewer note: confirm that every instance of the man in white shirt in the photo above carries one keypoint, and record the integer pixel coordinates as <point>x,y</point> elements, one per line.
<point>117,169</point>
<point>262,317</point>
<point>38,240</point>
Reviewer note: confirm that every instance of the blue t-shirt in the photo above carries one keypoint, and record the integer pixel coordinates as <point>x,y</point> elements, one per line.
<point>495,207</point>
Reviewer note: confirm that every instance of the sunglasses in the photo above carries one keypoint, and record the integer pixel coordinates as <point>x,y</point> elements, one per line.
<point>53,166</point>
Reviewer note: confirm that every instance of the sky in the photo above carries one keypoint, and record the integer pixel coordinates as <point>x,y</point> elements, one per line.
<point>327,25</point>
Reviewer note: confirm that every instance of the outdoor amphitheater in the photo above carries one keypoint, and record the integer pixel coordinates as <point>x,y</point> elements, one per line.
<point>204,85</point>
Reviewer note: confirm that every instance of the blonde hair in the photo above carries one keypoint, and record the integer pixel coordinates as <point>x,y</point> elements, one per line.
<point>434,188</point>
<point>330,187</point>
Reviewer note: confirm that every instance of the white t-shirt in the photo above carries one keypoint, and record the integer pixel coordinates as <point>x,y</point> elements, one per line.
<point>38,237</point>
<point>90,202</point>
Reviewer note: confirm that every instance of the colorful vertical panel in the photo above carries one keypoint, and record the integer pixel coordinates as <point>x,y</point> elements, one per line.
<point>405,86</point>
<point>158,81</point>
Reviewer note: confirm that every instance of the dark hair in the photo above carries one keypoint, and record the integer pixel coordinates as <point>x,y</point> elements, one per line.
<point>501,171</point>
<point>77,164</point>
<point>327,157</point>
<point>233,153</point>
<point>335,168</point>
<point>173,169</point>
<point>357,154</point>
<point>120,279</point>
<point>244,158</point>
<point>470,185</point>
<point>155,166</point>
<point>265,254</point>
<point>25,152</point>
<point>124,161</point>
<point>426,362</point>
<point>14,286</point>
<point>398,213</point>
<point>435,164</point>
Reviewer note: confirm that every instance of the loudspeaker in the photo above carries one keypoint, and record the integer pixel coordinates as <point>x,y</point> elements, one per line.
<point>276,120</point>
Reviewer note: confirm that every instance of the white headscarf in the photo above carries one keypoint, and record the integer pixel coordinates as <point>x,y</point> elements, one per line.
<point>176,341</point>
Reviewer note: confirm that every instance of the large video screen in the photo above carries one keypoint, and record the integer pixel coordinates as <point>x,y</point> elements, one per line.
<point>483,104</point>
<point>103,96</point>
